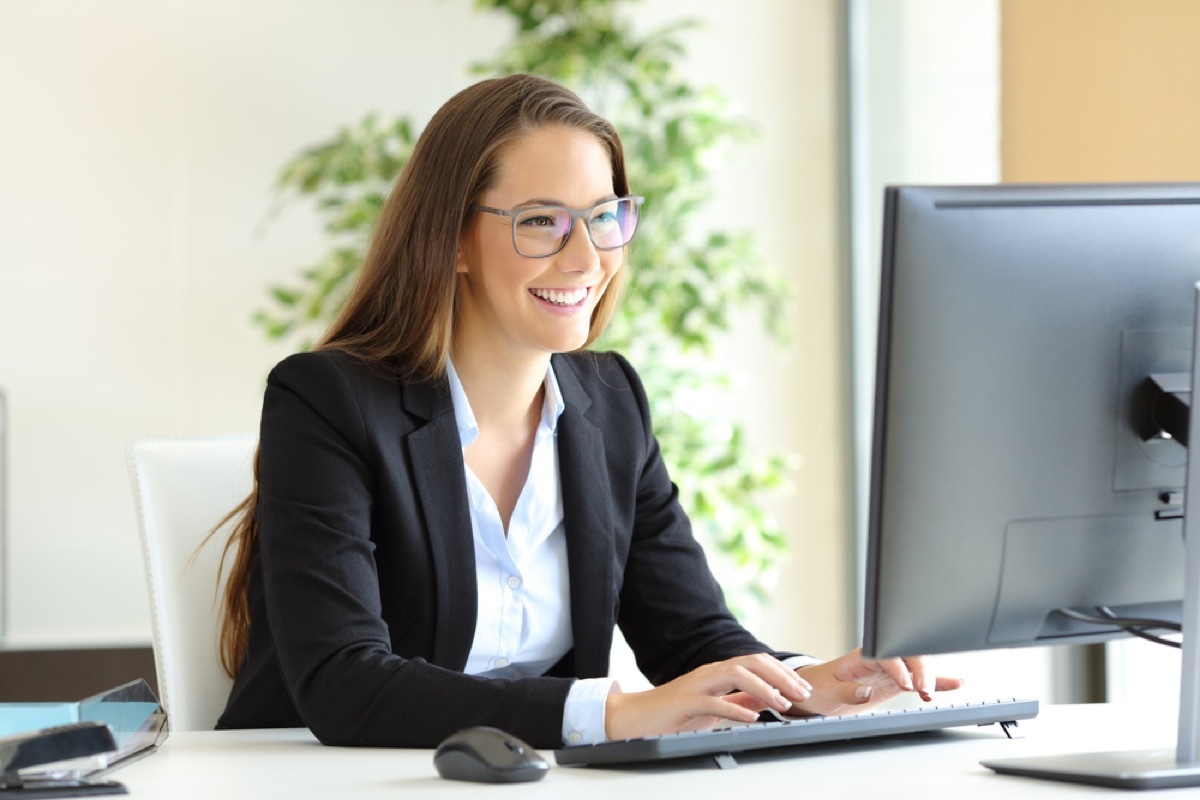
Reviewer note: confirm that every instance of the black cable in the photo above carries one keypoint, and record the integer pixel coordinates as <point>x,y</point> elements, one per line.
<point>1141,622</point>
<point>1135,626</point>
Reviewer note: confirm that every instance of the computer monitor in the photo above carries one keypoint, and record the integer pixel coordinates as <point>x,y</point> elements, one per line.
<point>1034,340</point>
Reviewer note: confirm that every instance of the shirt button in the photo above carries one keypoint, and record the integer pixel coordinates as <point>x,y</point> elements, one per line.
<point>501,662</point>
<point>513,581</point>
<point>574,737</point>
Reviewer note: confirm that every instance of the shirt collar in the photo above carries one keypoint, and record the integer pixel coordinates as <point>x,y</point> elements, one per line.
<point>464,417</point>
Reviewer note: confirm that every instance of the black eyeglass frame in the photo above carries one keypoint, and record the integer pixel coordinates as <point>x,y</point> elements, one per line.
<point>575,214</point>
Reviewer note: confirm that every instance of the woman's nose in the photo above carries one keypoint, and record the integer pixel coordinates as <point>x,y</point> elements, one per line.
<point>579,254</point>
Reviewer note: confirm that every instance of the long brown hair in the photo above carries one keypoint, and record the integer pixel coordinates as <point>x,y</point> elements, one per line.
<point>399,317</point>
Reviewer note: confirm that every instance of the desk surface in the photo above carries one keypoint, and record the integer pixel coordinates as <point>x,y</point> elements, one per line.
<point>230,765</point>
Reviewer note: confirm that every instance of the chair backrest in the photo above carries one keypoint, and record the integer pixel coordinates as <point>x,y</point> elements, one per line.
<point>182,487</point>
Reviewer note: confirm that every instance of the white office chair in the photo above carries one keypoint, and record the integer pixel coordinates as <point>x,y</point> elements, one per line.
<point>182,488</point>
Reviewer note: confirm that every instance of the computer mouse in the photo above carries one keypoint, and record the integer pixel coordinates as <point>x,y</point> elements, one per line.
<point>488,755</point>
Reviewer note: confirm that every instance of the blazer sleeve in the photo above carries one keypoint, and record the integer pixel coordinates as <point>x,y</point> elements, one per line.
<point>672,612</point>
<point>319,472</point>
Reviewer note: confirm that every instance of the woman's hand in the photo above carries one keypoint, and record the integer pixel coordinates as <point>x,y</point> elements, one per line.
<point>737,690</point>
<point>852,683</point>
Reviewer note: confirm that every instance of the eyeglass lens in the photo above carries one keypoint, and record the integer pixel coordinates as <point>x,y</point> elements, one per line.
<point>544,231</point>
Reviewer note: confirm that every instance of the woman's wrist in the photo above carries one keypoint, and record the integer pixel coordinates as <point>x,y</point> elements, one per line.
<point>614,705</point>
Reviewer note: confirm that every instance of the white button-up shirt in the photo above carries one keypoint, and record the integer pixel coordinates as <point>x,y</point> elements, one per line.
<point>523,623</point>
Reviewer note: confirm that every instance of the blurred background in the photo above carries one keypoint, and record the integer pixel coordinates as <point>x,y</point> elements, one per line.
<point>140,142</point>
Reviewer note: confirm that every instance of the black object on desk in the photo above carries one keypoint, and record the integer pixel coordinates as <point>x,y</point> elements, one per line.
<point>50,746</point>
<point>721,743</point>
<point>488,755</point>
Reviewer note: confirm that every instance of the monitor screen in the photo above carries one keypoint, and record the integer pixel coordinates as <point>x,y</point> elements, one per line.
<point>1017,466</point>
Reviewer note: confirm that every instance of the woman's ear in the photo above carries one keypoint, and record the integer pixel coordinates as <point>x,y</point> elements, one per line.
<point>462,259</point>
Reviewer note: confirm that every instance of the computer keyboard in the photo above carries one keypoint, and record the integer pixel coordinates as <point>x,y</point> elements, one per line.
<point>721,743</point>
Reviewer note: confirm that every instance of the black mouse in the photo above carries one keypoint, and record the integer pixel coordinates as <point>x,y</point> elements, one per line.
<point>488,755</point>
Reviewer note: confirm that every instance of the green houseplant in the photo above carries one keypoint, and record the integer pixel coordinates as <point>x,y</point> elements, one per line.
<point>687,283</point>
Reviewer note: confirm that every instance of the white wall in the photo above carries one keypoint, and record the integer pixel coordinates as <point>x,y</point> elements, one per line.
<point>138,144</point>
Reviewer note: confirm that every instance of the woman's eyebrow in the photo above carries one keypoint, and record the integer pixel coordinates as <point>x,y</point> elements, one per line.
<point>547,201</point>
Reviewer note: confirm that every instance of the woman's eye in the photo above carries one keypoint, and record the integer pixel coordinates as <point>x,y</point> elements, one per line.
<point>538,221</point>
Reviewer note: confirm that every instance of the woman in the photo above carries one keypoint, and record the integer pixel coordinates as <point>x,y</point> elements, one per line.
<point>456,503</point>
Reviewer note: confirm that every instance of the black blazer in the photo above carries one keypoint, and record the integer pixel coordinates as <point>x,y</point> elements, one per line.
<point>362,591</point>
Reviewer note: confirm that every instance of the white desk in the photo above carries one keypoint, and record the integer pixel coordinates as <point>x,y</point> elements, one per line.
<point>230,765</point>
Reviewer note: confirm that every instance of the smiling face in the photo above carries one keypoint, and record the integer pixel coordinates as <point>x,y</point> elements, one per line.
<point>513,306</point>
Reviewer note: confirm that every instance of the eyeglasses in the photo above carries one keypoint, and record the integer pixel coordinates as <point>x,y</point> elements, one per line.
<point>540,231</point>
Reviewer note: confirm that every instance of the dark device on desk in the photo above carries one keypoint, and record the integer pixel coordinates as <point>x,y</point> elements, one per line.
<point>488,755</point>
<point>1031,421</point>
<point>722,743</point>
<point>50,746</point>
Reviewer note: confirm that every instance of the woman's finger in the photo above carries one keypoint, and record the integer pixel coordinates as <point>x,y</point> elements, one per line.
<point>724,678</point>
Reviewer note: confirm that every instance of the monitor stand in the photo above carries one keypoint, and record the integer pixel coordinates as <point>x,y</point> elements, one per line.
<point>1163,768</point>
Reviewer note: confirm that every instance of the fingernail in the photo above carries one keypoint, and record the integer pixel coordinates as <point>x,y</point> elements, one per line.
<point>781,702</point>
<point>862,693</point>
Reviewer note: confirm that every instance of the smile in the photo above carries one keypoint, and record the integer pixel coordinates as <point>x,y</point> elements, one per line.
<point>569,297</point>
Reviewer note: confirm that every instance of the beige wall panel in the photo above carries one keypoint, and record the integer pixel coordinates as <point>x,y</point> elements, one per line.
<point>1100,90</point>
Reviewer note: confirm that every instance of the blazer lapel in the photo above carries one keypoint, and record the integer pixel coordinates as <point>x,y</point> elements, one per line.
<point>587,519</point>
<point>436,455</point>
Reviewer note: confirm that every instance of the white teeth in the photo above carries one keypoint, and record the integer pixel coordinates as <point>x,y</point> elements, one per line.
<point>561,298</point>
